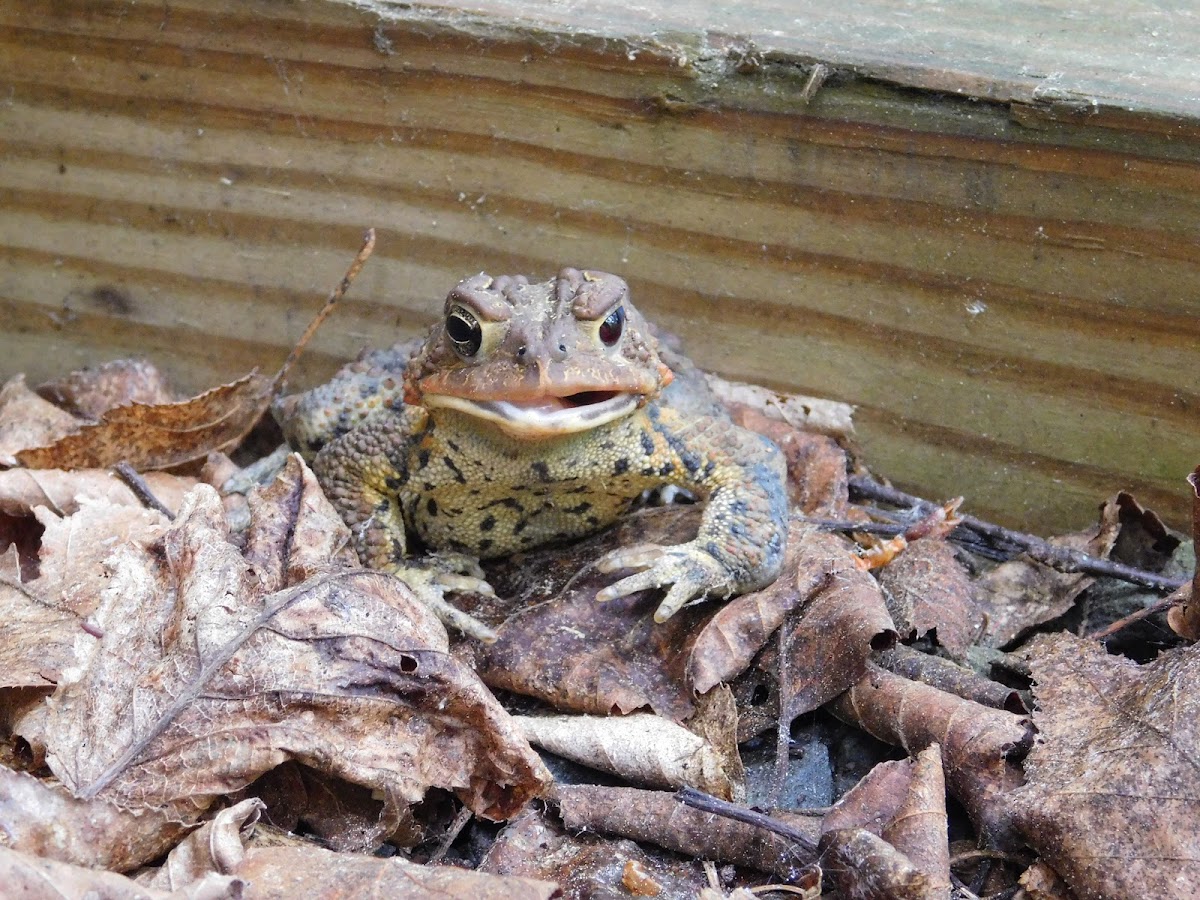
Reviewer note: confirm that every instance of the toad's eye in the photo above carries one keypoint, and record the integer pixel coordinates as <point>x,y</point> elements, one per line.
<point>612,326</point>
<point>464,331</point>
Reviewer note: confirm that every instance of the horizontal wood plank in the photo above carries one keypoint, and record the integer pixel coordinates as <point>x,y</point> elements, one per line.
<point>1010,307</point>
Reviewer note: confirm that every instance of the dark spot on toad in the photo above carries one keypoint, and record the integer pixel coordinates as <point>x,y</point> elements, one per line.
<point>458,475</point>
<point>621,466</point>
<point>488,524</point>
<point>423,457</point>
<point>581,508</point>
<point>647,444</point>
<point>431,506</point>
<point>541,470</point>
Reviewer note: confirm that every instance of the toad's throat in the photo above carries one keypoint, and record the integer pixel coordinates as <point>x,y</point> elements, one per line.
<point>547,416</point>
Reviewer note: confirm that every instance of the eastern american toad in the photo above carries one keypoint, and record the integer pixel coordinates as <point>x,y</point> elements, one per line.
<point>534,413</point>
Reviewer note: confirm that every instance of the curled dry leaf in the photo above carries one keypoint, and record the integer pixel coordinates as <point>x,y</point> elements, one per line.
<point>1184,618</point>
<point>658,818</point>
<point>950,677</point>
<point>161,435</point>
<point>215,848</point>
<point>579,655</point>
<point>532,846</point>
<point>886,837</point>
<point>345,672</point>
<point>930,593</point>
<point>89,393</point>
<point>641,748</point>
<point>44,820</point>
<point>977,742</point>
<point>26,420</point>
<point>1113,785</point>
<point>832,637</point>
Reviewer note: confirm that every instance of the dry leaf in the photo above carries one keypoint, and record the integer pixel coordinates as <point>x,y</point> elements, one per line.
<point>215,848</point>
<point>89,393</point>
<point>345,672</point>
<point>1184,618</point>
<point>159,436</point>
<point>26,420</point>
<point>976,742</point>
<point>641,748</point>
<point>1113,794</point>
<point>44,820</point>
<point>658,818</point>
<point>586,864</point>
<point>930,593</point>
<point>950,677</point>
<point>579,655</point>
<point>814,414</point>
<point>60,491</point>
<point>36,878</point>
<point>886,837</point>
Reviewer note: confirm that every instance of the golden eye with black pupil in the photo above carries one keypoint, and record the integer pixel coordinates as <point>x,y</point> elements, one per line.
<point>464,332</point>
<point>612,326</point>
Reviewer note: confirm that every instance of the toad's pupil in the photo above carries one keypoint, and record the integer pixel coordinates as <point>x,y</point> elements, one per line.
<point>611,327</point>
<point>464,331</point>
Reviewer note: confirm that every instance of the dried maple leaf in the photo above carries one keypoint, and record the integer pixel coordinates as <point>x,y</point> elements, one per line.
<point>89,393</point>
<point>1113,793</point>
<point>159,435</point>
<point>26,420</point>
<point>345,672</point>
<point>886,837</point>
<point>930,593</point>
<point>977,741</point>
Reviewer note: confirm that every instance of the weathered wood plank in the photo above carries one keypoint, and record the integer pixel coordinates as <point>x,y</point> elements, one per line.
<point>1010,307</point>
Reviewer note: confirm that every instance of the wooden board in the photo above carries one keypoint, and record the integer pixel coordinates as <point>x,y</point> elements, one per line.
<point>1006,288</point>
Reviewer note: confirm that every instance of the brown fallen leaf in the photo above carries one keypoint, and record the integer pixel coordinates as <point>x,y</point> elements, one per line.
<point>160,435</point>
<point>977,742</point>
<point>27,420</point>
<point>950,677</point>
<point>1040,882</point>
<point>658,818</point>
<point>1113,793</point>
<point>1184,618</point>
<point>89,393</point>
<point>532,846</point>
<point>578,655</point>
<point>641,748</point>
<point>61,491</point>
<point>345,672</point>
<point>813,414</point>
<point>843,615</point>
<point>930,593</point>
<point>886,837</point>
<point>37,878</point>
<point>1021,594</point>
<point>42,819</point>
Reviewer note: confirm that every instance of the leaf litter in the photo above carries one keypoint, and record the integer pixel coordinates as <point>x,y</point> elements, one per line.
<point>182,676</point>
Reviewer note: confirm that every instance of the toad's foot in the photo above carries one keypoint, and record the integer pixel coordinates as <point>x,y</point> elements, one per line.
<point>432,577</point>
<point>691,572</point>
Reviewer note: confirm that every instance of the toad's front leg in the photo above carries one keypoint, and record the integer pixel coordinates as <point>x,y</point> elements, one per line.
<point>740,544</point>
<point>362,473</point>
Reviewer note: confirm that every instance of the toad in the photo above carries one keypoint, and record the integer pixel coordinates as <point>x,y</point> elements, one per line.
<point>535,413</point>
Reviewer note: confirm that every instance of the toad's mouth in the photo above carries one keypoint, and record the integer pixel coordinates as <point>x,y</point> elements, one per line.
<point>547,416</point>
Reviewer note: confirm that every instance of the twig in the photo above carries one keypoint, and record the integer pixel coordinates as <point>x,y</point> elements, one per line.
<point>1137,615</point>
<point>710,804</point>
<point>1064,559</point>
<point>331,301</point>
<point>452,832</point>
<point>136,483</point>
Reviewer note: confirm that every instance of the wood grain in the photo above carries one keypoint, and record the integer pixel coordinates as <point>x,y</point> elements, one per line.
<point>1012,307</point>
